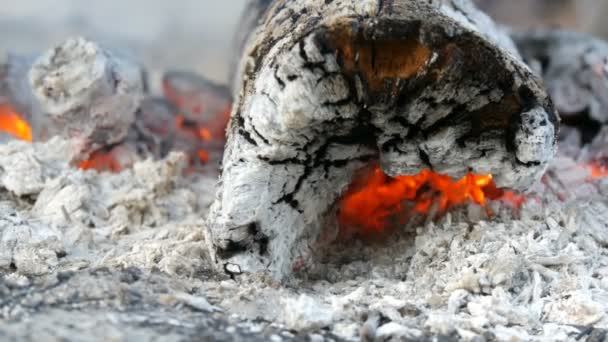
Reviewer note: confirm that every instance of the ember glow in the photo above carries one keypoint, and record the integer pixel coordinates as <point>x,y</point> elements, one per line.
<point>598,171</point>
<point>376,201</point>
<point>205,134</point>
<point>113,159</point>
<point>203,156</point>
<point>201,134</point>
<point>101,161</point>
<point>11,123</point>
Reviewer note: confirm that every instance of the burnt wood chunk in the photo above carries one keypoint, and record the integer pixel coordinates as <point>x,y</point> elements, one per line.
<point>86,93</point>
<point>328,87</point>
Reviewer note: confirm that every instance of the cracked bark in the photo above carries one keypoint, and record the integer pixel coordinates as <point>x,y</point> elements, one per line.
<point>327,87</point>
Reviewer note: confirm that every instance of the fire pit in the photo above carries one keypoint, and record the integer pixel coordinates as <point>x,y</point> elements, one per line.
<point>377,170</point>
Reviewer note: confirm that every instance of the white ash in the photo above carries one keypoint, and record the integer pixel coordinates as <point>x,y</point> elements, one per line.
<point>539,274</point>
<point>532,277</point>
<point>88,93</point>
<point>306,313</point>
<point>88,215</point>
<point>25,168</point>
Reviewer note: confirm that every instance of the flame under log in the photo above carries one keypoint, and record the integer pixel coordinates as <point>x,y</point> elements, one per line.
<point>325,88</point>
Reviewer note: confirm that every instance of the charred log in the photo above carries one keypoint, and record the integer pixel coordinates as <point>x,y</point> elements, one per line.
<point>329,87</point>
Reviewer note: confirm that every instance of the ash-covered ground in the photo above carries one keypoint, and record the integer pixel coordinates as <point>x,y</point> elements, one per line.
<point>86,256</point>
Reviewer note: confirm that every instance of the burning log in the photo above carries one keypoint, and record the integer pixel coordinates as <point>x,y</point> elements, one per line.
<point>329,87</point>
<point>87,93</point>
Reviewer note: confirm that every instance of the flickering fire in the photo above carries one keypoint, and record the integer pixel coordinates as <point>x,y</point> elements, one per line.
<point>11,123</point>
<point>376,201</point>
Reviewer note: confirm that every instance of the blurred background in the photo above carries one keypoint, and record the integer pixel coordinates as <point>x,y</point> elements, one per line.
<point>197,34</point>
<point>161,34</point>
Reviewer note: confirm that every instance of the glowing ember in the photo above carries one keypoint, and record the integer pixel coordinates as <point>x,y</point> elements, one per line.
<point>514,199</point>
<point>377,201</point>
<point>101,161</point>
<point>598,171</point>
<point>216,129</point>
<point>13,124</point>
<point>115,159</point>
<point>210,132</point>
<point>203,156</point>
<point>205,134</point>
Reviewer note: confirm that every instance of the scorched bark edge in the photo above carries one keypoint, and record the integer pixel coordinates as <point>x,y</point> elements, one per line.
<point>328,87</point>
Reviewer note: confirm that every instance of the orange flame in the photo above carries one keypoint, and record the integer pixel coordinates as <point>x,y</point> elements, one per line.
<point>375,201</point>
<point>13,124</point>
